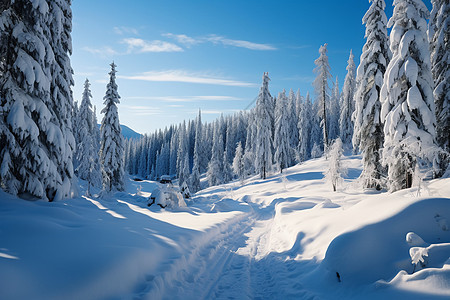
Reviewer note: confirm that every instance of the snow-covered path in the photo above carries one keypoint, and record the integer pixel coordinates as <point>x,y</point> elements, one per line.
<point>226,266</point>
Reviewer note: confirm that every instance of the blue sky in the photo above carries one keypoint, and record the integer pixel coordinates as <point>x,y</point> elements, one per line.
<point>175,57</point>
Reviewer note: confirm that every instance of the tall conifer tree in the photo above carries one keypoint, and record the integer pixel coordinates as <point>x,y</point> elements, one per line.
<point>112,144</point>
<point>407,95</point>
<point>368,129</point>
<point>36,140</point>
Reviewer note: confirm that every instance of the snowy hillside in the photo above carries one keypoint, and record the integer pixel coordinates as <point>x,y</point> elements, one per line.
<point>286,237</point>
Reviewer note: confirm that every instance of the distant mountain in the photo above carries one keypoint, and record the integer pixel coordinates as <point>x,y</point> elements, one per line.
<point>127,132</point>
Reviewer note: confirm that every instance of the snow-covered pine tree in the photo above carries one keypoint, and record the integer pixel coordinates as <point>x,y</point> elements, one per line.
<point>36,140</point>
<point>249,162</point>
<point>184,174</point>
<point>348,104</point>
<point>263,120</point>
<point>215,166</point>
<point>292,116</point>
<point>407,95</point>
<point>173,153</point>
<point>322,88</point>
<point>229,142</point>
<point>227,170</point>
<point>335,170</point>
<point>282,133</point>
<point>316,134</point>
<point>87,152</point>
<point>60,19</point>
<point>182,151</point>
<point>439,37</point>
<point>304,130</point>
<point>368,133</point>
<point>194,179</point>
<point>334,111</point>
<point>111,147</point>
<point>238,163</point>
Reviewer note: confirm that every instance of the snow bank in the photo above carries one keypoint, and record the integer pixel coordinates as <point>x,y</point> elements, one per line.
<point>380,250</point>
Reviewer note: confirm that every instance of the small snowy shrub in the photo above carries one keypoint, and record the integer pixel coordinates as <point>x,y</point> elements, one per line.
<point>335,169</point>
<point>418,257</point>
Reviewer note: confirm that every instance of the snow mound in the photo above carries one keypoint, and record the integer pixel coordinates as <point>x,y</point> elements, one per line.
<point>379,251</point>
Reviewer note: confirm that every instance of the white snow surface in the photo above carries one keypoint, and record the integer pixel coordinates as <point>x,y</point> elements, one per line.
<point>285,237</point>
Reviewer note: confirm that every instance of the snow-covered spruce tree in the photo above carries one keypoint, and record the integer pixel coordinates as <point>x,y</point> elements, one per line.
<point>348,104</point>
<point>304,130</point>
<point>215,166</point>
<point>335,170</point>
<point>282,133</point>
<point>334,111</point>
<point>184,174</point>
<point>439,37</point>
<point>238,163</point>
<point>368,133</point>
<point>194,179</point>
<point>111,147</point>
<point>182,151</point>
<point>316,134</point>
<point>263,120</point>
<point>249,154</point>
<point>407,96</point>
<point>227,169</point>
<point>293,115</point>
<point>322,88</point>
<point>87,152</point>
<point>36,140</point>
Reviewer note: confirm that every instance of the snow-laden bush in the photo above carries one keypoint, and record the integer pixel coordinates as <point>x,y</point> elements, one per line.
<point>335,170</point>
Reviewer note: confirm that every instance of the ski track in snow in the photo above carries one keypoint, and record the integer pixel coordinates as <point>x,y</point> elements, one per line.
<point>214,269</point>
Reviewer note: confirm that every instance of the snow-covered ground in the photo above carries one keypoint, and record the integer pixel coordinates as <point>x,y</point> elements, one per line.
<point>286,237</point>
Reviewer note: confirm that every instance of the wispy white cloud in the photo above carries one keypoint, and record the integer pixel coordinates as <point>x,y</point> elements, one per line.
<point>105,51</point>
<point>183,39</point>
<point>143,46</point>
<point>183,76</point>
<point>217,39</point>
<point>121,30</point>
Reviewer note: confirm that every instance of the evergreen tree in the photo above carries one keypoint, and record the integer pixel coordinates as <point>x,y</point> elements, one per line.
<point>407,95</point>
<point>348,104</point>
<point>215,166</point>
<point>334,111</point>
<point>335,170</point>
<point>87,152</point>
<point>304,126</point>
<point>292,117</point>
<point>111,147</point>
<point>184,174</point>
<point>198,153</point>
<point>36,140</point>
<point>322,90</point>
<point>249,161</point>
<point>173,153</point>
<point>238,163</point>
<point>439,37</point>
<point>182,151</point>
<point>316,134</point>
<point>282,133</point>
<point>227,170</point>
<point>263,142</point>
<point>368,128</point>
